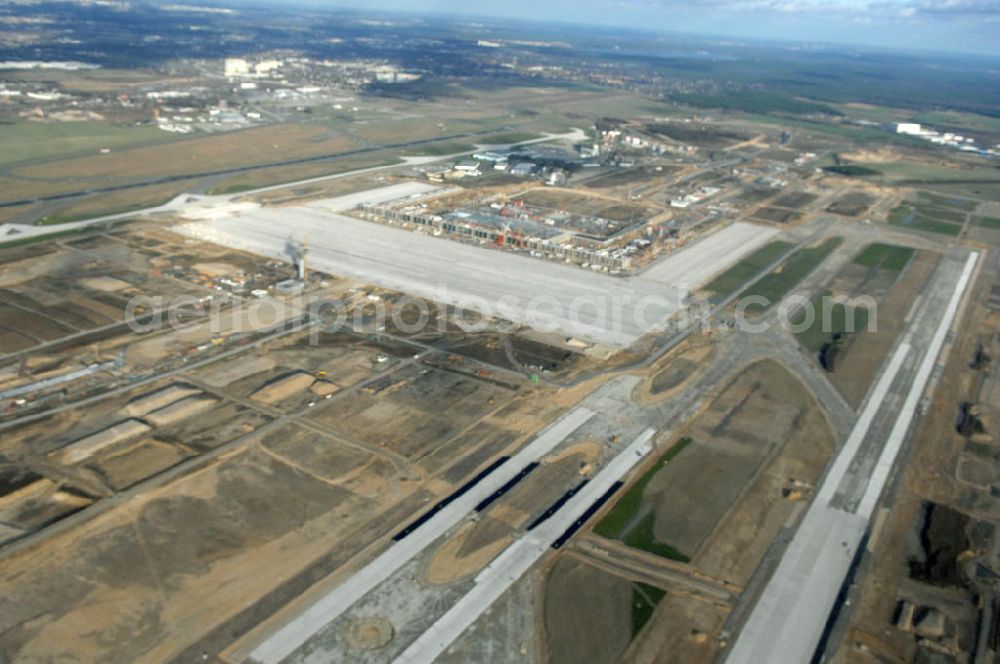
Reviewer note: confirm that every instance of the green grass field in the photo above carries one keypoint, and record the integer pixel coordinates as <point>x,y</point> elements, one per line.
<point>959,119</point>
<point>620,523</point>
<point>510,137</point>
<point>438,149</point>
<point>7,244</point>
<point>920,218</point>
<point>884,256</point>
<point>937,200</point>
<point>640,536</point>
<point>943,214</point>
<point>777,283</point>
<point>884,114</point>
<point>991,223</point>
<point>830,321</point>
<point>627,508</point>
<point>645,599</point>
<point>748,268</point>
<point>913,172</point>
<point>230,189</point>
<point>31,141</point>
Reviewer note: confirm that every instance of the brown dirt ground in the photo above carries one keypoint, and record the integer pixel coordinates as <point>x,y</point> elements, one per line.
<point>407,418</point>
<point>141,582</point>
<point>682,629</point>
<point>744,535</point>
<point>450,563</point>
<point>12,213</point>
<point>675,370</point>
<point>776,215</point>
<point>137,461</point>
<point>587,613</point>
<point>759,411</point>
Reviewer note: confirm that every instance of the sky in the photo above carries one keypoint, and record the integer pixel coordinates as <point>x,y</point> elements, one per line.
<point>961,26</point>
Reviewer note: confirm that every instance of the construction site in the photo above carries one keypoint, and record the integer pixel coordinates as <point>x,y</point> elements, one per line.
<point>193,455</point>
<point>588,230</point>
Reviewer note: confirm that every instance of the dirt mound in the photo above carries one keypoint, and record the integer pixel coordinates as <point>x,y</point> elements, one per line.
<point>369,633</point>
<point>283,388</point>
<point>451,563</point>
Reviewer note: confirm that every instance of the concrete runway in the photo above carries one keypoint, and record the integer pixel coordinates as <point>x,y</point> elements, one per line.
<point>518,558</point>
<point>542,294</point>
<point>788,619</point>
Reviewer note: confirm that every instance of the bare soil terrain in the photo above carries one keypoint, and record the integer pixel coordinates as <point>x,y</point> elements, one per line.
<point>756,415</point>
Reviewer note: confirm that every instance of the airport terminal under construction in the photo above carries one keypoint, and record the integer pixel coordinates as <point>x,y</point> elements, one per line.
<point>603,309</point>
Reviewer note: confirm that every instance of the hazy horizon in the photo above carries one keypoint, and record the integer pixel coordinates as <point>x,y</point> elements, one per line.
<point>955,26</point>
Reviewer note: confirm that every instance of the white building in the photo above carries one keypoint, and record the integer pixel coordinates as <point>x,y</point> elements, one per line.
<point>265,67</point>
<point>911,128</point>
<point>236,67</point>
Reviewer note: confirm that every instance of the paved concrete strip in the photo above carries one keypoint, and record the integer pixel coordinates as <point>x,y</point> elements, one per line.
<point>695,264</point>
<point>392,192</point>
<point>880,474</point>
<point>875,398</point>
<point>300,629</point>
<point>789,618</point>
<point>518,558</point>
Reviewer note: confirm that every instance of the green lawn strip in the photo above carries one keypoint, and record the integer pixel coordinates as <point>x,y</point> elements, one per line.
<point>909,217</point>
<point>343,167</point>
<point>942,214</point>
<point>884,256</point>
<point>947,201</point>
<point>231,189</point>
<point>829,323</point>
<point>510,137</point>
<point>640,536</point>
<point>934,212</point>
<point>993,223</point>
<point>627,507</point>
<point>748,268</point>
<point>20,242</point>
<point>921,223</point>
<point>59,218</point>
<point>775,284</point>
<point>645,599</point>
<point>439,150</point>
